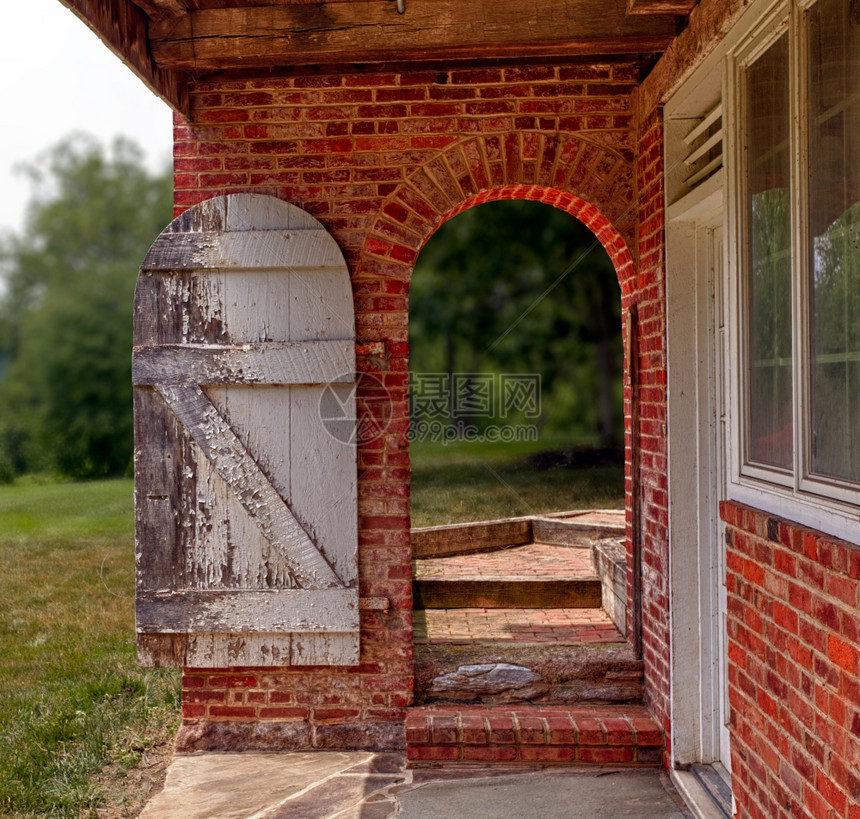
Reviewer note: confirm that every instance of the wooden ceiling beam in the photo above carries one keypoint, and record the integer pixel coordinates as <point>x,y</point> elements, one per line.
<point>123,28</point>
<point>158,10</point>
<point>677,7</point>
<point>360,31</point>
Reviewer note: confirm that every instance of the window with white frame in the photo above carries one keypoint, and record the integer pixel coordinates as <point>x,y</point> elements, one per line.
<point>797,231</point>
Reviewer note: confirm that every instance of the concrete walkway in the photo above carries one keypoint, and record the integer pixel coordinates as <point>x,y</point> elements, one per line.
<point>362,785</point>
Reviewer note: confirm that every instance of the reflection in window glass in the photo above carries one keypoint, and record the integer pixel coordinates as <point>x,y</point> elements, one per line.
<point>769,400</point>
<point>834,227</point>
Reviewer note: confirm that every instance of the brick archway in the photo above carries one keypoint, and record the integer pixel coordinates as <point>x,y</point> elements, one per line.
<point>590,181</point>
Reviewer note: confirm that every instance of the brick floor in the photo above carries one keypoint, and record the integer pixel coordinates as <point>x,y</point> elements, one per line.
<point>531,734</point>
<point>531,560</point>
<point>565,626</point>
<point>598,517</point>
<point>513,626</point>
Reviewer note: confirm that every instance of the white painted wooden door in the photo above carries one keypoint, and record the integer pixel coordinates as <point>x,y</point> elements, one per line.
<point>711,489</point>
<point>246,502</point>
<point>697,364</point>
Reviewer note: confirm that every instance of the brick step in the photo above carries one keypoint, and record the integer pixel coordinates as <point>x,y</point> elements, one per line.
<point>561,528</point>
<point>527,560</point>
<point>499,627</point>
<point>506,593</point>
<point>625,735</point>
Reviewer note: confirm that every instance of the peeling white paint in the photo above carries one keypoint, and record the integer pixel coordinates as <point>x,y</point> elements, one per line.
<point>267,501</point>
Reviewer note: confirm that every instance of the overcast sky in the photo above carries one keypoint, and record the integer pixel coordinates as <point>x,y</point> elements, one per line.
<point>56,77</point>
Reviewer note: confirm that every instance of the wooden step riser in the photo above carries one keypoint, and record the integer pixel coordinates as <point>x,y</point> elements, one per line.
<point>507,593</point>
<point>470,538</point>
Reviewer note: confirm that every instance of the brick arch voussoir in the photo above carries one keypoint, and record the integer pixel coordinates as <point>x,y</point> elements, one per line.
<point>590,181</point>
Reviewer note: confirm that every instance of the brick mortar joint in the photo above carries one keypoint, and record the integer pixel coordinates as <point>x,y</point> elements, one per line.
<point>760,519</point>
<point>795,750</point>
<point>772,597</point>
<point>793,662</point>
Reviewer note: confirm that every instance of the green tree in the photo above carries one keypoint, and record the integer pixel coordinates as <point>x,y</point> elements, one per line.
<point>66,307</point>
<point>521,287</point>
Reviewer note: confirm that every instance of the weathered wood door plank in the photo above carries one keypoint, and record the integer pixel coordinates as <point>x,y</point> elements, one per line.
<point>238,249</point>
<point>246,495</point>
<point>247,612</point>
<point>304,362</point>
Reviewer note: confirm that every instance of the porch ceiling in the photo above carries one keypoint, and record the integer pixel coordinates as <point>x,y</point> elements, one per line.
<point>165,41</point>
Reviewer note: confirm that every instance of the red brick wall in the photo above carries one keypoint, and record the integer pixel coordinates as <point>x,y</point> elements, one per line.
<point>652,433</point>
<point>382,159</point>
<point>794,626</point>
<point>794,673</point>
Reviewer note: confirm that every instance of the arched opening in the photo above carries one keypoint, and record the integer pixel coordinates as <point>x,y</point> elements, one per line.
<point>516,446</point>
<point>515,367</point>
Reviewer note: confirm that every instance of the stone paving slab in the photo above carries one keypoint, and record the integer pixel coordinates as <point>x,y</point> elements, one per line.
<point>545,794</point>
<point>238,786</point>
<point>361,785</point>
<point>513,626</point>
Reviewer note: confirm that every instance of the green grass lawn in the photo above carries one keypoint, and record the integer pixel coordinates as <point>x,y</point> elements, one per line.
<point>459,482</point>
<point>72,698</point>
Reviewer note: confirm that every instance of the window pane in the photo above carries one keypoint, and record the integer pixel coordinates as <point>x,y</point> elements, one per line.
<point>769,401</point>
<point>834,225</point>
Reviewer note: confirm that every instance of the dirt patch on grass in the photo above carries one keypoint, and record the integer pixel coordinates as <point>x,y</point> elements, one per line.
<point>127,790</point>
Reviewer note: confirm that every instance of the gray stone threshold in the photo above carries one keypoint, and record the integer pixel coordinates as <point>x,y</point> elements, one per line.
<point>361,785</point>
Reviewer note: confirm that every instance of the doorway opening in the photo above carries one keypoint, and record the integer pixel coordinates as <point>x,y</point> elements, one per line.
<point>515,367</point>
<point>697,348</point>
<point>517,460</point>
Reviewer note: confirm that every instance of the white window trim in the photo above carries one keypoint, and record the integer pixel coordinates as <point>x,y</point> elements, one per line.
<point>828,505</point>
<point>770,27</point>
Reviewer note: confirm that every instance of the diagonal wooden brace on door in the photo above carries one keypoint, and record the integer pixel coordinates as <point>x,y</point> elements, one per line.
<point>253,489</point>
